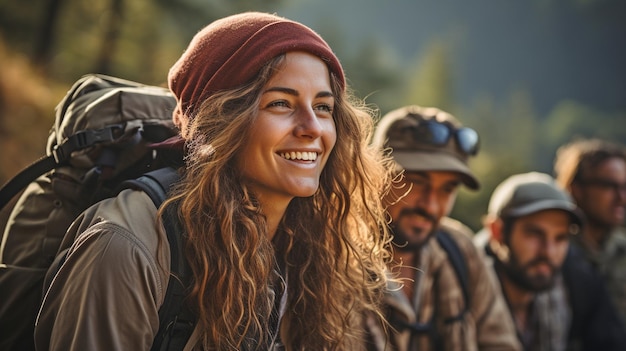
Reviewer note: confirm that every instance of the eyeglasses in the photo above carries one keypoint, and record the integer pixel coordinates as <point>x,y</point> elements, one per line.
<point>438,134</point>
<point>606,185</point>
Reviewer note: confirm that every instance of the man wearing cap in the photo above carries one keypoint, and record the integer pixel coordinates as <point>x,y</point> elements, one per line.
<point>556,300</point>
<point>446,298</point>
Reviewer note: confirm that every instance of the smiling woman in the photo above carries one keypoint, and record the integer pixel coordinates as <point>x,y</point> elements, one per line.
<point>279,203</point>
<point>295,118</point>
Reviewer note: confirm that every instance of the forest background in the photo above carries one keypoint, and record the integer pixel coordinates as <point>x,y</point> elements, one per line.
<point>528,75</point>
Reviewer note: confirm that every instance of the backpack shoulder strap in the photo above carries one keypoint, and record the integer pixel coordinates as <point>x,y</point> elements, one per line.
<point>176,321</point>
<point>155,183</point>
<point>458,263</point>
<point>460,269</point>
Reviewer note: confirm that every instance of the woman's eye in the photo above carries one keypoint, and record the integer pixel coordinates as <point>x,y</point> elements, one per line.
<point>325,108</point>
<point>278,103</point>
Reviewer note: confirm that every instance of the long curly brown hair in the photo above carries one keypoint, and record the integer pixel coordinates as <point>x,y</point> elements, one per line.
<point>332,245</point>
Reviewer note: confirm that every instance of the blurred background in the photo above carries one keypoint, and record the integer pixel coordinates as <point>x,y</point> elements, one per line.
<point>529,75</point>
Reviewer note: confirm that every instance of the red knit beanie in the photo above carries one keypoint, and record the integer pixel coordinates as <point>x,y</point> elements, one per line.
<point>230,52</point>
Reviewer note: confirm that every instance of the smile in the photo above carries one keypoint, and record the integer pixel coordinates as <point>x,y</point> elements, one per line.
<point>298,155</point>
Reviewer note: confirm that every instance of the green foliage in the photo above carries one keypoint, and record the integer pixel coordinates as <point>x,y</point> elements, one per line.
<point>509,140</point>
<point>19,22</point>
<point>571,119</point>
<point>137,40</point>
<point>375,74</point>
<point>430,79</point>
<point>145,46</point>
<point>141,39</point>
<point>514,140</point>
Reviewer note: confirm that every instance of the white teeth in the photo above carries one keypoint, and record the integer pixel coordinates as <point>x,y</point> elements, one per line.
<point>298,155</point>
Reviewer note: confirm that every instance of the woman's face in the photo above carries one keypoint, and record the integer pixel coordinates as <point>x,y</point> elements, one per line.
<point>293,134</point>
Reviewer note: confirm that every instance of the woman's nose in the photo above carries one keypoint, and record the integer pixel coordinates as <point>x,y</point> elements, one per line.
<point>308,124</point>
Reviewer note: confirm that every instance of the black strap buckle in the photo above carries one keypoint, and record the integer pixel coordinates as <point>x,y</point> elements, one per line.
<point>84,139</point>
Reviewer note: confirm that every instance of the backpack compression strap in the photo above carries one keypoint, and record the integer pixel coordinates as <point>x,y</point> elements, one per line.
<point>176,321</point>
<point>60,156</point>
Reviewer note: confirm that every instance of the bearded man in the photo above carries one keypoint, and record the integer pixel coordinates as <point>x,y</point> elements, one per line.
<point>557,301</point>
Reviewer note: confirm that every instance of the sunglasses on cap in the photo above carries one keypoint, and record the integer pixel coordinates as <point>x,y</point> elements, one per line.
<point>438,134</point>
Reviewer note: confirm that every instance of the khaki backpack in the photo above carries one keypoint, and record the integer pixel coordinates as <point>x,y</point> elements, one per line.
<point>103,135</point>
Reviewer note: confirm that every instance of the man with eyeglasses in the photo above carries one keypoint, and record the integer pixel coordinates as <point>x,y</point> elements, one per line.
<point>593,171</point>
<point>557,300</point>
<point>445,297</point>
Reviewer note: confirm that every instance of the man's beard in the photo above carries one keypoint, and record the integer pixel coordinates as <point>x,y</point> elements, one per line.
<point>402,240</point>
<point>518,274</point>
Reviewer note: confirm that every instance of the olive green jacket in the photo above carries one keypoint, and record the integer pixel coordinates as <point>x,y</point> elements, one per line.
<point>107,294</point>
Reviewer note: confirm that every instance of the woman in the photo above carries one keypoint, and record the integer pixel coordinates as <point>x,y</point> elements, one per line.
<point>279,204</point>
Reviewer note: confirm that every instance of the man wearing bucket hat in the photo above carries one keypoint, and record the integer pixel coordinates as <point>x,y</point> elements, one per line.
<point>555,299</point>
<point>448,299</point>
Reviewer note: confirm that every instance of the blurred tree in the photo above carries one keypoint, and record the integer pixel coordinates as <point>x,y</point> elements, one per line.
<point>520,126</point>
<point>375,74</point>
<point>515,139</point>
<point>140,39</point>
<point>429,78</point>
<point>509,140</point>
<point>26,112</point>
<point>47,35</point>
<point>19,24</point>
<point>111,35</point>
<point>570,119</point>
<point>136,40</point>
<point>68,38</point>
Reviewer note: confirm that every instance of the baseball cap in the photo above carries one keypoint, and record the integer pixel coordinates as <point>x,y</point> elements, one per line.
<point>527,193</point>
<point>428,139</point>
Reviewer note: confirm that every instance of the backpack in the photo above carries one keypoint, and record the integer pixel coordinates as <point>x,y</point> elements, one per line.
<point>455,256</point>
<point>101,142</point>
